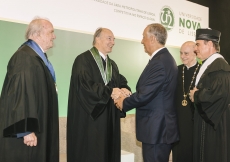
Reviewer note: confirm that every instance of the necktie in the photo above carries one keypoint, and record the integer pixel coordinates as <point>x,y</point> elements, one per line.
<point>46,56</point>
<point>104,62</point>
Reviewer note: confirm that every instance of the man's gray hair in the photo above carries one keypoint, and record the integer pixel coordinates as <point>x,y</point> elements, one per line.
<point>216,45</point>
<point>159,32</point>
<point>35,26</point>
<point>97,34</point>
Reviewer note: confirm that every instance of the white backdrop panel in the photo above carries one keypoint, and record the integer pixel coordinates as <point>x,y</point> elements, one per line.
<point>126,18</point>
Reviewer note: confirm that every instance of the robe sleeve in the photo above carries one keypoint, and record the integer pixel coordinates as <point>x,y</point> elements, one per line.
<point>19,98</point>
<point>124,82</point>
<point>210,100</point>
<point>120,82</point>
<point>93,96</point>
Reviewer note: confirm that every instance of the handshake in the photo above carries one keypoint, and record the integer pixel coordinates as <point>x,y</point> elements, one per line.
<point>118,95</point>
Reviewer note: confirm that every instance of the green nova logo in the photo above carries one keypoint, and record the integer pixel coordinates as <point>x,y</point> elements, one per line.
<point>167,18</point>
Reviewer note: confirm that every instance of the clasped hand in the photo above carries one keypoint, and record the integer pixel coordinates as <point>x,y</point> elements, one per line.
<point>118,95</point>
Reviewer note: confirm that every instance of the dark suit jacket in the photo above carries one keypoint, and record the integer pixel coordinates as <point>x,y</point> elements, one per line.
<point>154,101</point>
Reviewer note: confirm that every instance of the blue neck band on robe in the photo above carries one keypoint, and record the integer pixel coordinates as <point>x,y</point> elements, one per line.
<point>39,51</point>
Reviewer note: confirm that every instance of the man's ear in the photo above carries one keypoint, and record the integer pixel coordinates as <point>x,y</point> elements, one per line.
<point>153,38</point>
<point>210,43</point>
<point>36,35</point>
<point>97,40</point>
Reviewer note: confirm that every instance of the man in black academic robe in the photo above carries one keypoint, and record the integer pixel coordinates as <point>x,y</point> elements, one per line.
<point>28,103</point>
<point>182,150</point>
<point>93,121</point>
<point>212,98</point>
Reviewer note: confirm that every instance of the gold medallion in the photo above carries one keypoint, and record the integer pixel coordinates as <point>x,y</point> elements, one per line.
<point>184,103</point>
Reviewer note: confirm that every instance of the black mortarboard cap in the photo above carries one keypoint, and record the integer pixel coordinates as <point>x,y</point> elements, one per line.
<point>208,34</point>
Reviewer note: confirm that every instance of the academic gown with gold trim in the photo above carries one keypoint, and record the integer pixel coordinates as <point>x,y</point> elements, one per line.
<point>183,149</point>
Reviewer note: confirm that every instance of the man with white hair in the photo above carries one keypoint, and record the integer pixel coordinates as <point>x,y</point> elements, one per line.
<point>183,149</point>
<point>28,102</point>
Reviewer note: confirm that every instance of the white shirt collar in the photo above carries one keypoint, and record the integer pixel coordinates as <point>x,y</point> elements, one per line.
<point>102,55</point>
<point>155,53</point>
<point>41,48</point>
<point>191,66</point>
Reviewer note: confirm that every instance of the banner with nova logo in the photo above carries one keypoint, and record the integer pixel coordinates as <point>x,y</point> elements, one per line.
<point>126,18</point>
<point>167,18</point>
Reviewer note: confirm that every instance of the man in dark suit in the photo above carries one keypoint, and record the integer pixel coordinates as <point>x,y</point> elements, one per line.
<point>156,125</point>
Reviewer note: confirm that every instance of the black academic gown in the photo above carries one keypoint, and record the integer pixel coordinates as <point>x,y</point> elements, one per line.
<point>28,103</point>
<point>183,149</point>
<point>212,114</point>
<point>93,121</point>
